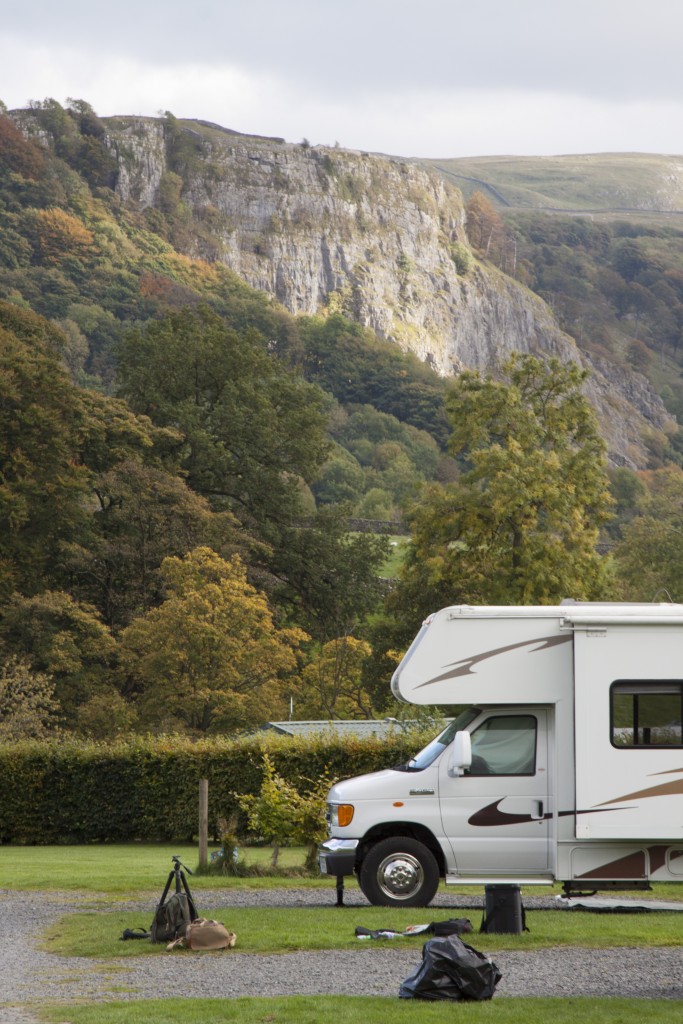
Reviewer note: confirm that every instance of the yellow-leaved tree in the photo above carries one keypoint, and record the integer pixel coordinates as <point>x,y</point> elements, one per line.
<point>209,658</point>
<point>333,682</point>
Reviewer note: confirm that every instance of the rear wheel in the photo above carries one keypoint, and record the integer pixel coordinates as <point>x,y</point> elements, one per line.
<point>399,872</point>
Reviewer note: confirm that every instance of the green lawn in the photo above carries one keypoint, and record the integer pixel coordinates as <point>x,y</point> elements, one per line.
<point>138,871</point>
<point>371,1010</point>
<point>283,930</point>
<point>126,868</point>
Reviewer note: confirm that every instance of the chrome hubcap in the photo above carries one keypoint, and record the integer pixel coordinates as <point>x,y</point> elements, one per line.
<point>400,876</point>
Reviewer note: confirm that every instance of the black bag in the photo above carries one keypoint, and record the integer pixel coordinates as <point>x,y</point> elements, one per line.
<point>451,969</point>
<point>171,918</point>
<point>453,926</point>
<point>504,911</point>
<point>136,933</point>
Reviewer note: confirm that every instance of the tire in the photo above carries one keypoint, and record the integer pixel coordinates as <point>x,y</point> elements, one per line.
<point>399,872</point>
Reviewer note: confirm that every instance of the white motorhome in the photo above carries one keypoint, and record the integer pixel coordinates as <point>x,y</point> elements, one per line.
<point>567,763</point>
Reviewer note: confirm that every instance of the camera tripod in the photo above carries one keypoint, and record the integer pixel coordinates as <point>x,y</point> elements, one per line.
<point>177,874</point>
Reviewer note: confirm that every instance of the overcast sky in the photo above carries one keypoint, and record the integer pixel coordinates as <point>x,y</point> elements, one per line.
<point>436,78</point>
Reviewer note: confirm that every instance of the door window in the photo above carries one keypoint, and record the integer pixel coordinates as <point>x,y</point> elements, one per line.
<point>504,745</point>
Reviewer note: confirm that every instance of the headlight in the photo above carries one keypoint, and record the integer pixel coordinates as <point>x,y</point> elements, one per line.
<point>339,815</point>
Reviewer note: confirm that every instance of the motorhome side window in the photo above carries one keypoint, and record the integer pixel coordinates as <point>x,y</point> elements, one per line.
<point>504,745</point>
<point>646,713</point>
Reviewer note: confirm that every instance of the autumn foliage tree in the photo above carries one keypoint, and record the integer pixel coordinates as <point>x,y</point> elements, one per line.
<point>485,227</point>
<point>333,682</point>
<point>59,234</point>
<point>28,709</point>
<point>18,154</point>
<point>210,658</point>
<point>62,637</point>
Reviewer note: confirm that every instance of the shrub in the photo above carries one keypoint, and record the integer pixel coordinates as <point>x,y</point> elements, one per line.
<point>146,789</point>
<point>462,258</point>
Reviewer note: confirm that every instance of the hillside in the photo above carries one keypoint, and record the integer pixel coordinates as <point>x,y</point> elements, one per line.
<point>600,238</point>
<point>72,252</point>
<point>198,210</point>
<point>215,349</point>
<point>634,183</point>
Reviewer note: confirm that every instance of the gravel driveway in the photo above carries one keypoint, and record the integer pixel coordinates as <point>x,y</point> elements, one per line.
<point>31,976</point>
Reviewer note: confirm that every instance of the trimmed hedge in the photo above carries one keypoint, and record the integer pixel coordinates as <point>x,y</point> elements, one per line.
<point>147,789</point>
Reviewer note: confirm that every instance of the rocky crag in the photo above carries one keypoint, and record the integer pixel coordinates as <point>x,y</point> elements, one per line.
<point>377,238</point>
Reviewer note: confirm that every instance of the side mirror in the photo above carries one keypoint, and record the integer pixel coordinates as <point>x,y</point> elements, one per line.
<point>461,753</point>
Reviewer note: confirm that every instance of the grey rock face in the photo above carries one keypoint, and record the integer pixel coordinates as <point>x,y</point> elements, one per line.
<point>372,237</point>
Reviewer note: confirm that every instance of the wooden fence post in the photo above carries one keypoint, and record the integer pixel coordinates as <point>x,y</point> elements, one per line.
<point>203,823</point>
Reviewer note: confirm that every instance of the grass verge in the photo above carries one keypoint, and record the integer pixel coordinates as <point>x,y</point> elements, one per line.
<point>132,867</point>
<point>283,930</point>
<point>371,1010</point>
<point>129,868</point>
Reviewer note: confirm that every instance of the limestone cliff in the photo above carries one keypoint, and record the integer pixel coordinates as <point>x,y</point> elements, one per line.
<point>380,239</point>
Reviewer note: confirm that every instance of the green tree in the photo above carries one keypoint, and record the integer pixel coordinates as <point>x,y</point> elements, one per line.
<point>627,489</point>
<point>521,523</point>
<point>365,424</point>
<point>105,715</point>
<point>377,504</point>
<point>43,482</point>
<point>629,258</point>
<point>649,558</point>
<point>143,515</point>
<point>89,497</point>
<point>329,577</point>
<point>341,479</point>
<point>253,428</point>
<point>209,658</point>
<point>351,363</point>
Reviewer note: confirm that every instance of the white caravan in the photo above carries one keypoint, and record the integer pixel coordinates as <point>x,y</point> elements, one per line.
<point>567,763</point>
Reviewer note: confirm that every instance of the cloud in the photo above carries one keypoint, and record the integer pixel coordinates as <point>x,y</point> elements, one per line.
<point>346,47</point>
<point>441,79</point>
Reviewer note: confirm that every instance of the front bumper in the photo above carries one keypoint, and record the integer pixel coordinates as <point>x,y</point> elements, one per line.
<point>337,856</point>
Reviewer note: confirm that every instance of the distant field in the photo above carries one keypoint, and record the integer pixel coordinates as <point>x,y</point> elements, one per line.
<point>593,182</point>
<point>393,563</point>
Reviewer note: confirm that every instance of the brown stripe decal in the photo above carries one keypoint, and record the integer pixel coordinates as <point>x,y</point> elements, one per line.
<point>657,857</point>
<point>632,866</point>
<point>674,788</point>
<point>491,815</point>
<point>488,816</point>
<point>465,665</point>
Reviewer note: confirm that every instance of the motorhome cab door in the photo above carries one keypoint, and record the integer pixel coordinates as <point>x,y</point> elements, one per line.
<point>497,816</point>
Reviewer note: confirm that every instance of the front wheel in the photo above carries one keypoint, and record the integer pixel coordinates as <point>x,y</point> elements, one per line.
<point>399,872</point>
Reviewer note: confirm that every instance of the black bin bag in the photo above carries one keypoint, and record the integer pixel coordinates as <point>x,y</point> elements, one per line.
<point>451,969</point>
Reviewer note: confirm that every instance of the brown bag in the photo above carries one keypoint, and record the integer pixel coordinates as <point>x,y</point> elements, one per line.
<point>204,934</point>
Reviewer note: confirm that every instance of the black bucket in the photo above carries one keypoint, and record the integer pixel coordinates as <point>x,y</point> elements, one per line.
<point>504,911</point>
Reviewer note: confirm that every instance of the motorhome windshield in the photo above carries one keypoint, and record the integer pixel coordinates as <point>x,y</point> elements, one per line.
<point>430,753</point>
